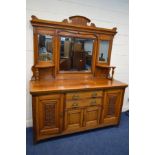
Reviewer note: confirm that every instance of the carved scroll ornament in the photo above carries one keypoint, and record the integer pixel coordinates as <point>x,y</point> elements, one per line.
<point>79,20</point>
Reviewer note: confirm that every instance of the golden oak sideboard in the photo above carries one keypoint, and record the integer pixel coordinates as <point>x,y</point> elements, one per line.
<point>73,87</point>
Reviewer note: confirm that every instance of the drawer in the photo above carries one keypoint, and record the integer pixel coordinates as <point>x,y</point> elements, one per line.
<point>83,95</point>
<point>83,103</point>
<point>49,97</point>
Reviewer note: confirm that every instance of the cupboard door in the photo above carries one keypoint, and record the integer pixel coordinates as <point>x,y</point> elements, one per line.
<point>49,114</point>
<point>112,106</point>
<point>73,119</point>
<point>92,116</point>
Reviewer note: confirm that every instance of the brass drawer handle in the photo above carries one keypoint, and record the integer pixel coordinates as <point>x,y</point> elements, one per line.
<point>75,97</point>
<point>93,102</point>
<point>74,105</point>
<point>94,94</point>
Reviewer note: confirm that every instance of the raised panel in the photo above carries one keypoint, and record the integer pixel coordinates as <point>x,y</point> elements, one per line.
<point>49,119</point>
<point>112,100</point>
<point>112,106</point>
<point>92,116</point>
<point>49,114</point>
<point>73,119</point>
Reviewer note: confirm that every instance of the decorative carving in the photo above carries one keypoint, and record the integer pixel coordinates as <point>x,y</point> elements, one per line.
<point>115,28</point>
<point>79,20</point>
<point>111,105</point>
<point>34,17</point>
<point>65,21</point>
<point>37,73</point>
<point>92,25</point>
<point>33,71</point>
<point>108,70</point>
<point>112,72</point>
<point>49,117</point>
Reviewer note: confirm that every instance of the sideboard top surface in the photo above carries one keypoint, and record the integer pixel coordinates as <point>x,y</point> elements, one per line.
<point>49,86</point>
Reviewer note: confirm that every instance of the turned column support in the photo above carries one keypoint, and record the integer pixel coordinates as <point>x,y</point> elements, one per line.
<point>113,71</point>
<point>36,73</point>
<point>110,69</point>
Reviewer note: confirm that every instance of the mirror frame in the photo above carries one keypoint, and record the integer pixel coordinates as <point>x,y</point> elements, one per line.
<point>104,38</point>
<point>75,34</point>
<point>40,31</point>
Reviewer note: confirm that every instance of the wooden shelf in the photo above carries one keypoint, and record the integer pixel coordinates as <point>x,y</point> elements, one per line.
<point>44,65</point>
<point>105,66</point>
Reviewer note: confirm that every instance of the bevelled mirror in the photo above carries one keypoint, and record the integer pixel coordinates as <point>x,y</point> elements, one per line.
<point>76,54</point>
<point>103,51</point>
<point>45,52</point>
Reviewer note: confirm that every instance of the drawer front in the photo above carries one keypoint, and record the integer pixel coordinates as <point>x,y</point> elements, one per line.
<point>49,97</point>
<point>83,95</point>
<point>83,103</point>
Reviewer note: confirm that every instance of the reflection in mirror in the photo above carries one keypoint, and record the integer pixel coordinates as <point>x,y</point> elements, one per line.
<point>103,51</point>
<point>45,48</point>
<point>76,54</point>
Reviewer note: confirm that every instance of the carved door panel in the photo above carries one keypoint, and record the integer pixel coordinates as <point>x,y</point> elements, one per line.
<point>112,106</point>
<point>92,116</point>
<point>49,114</point>
<point>73,119</point>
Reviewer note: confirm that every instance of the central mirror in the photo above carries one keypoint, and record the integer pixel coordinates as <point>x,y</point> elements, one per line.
<point>76,54</point>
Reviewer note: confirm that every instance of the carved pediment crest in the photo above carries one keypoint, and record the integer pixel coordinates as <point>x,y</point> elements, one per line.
<point>79,20</point>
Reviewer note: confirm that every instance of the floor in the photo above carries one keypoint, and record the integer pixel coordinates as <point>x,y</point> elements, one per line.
<point>105,141</point>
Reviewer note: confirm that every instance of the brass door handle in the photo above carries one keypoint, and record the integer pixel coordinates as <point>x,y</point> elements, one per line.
<point>93,102</point>
<point>75,97</point>
<point>75,104</point>
<point>94,94</point>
